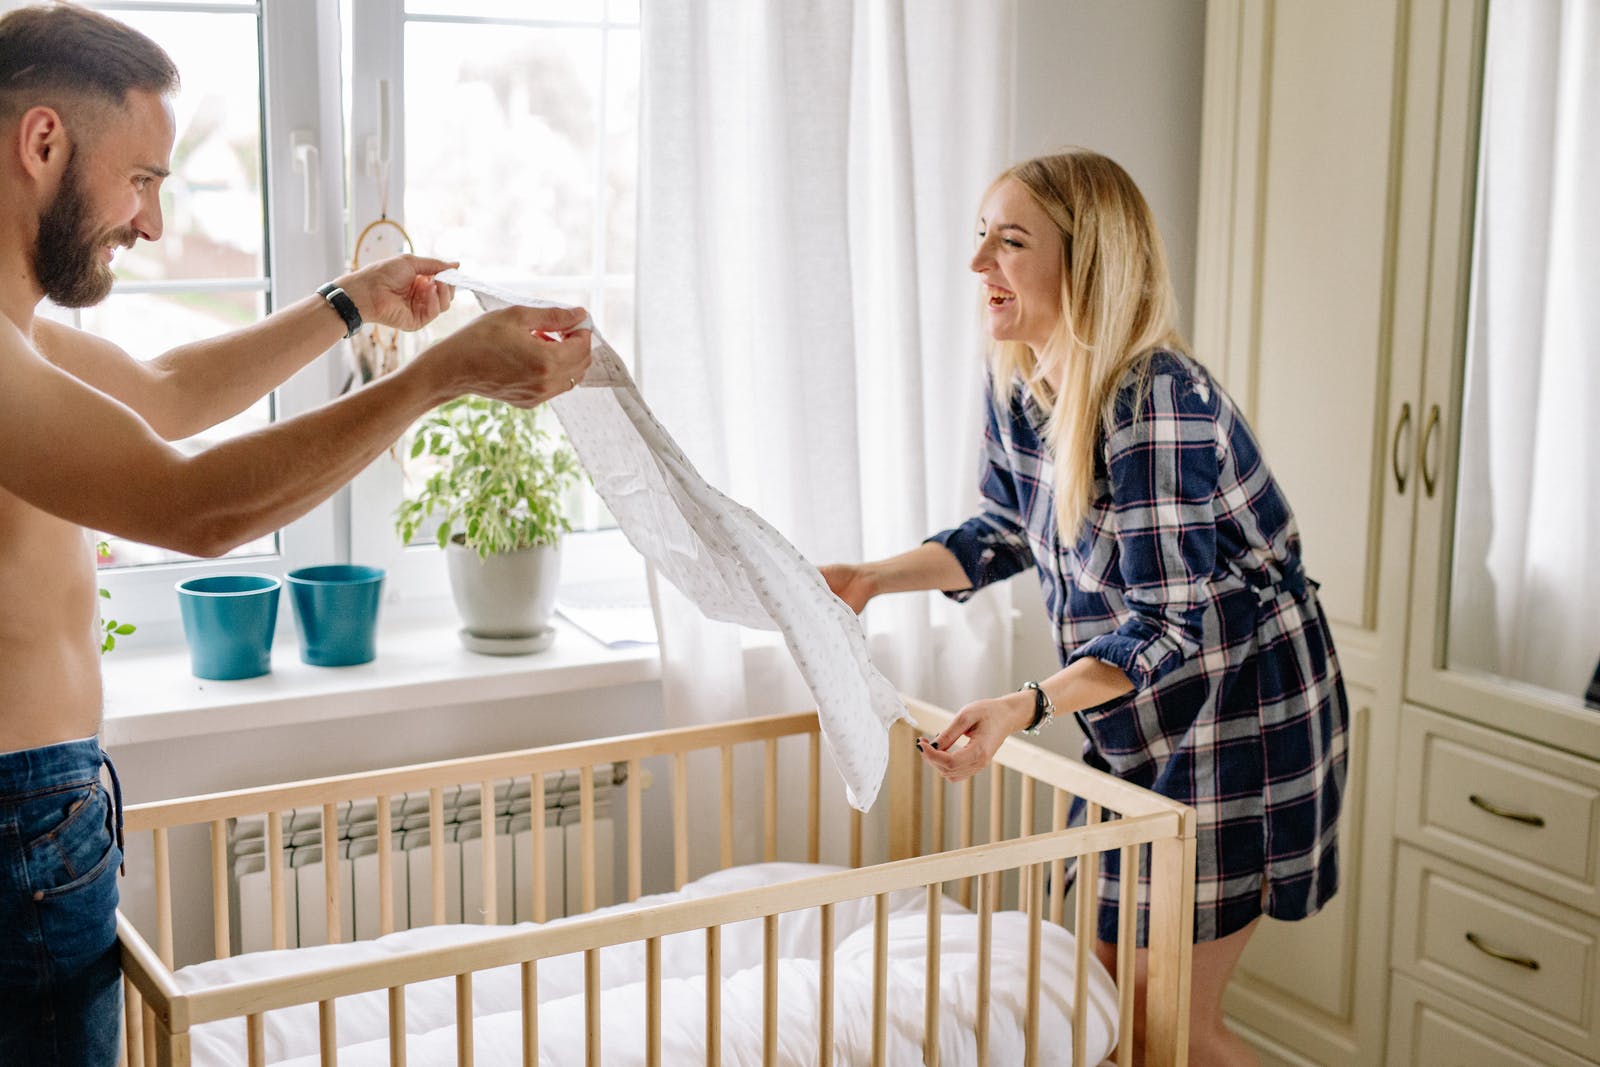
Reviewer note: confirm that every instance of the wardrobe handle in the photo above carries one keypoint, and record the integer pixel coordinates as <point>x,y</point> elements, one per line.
<point>1521,961</point>
<point>1401,431</point>
<point>1429,476</point>
<point>1495,809</point>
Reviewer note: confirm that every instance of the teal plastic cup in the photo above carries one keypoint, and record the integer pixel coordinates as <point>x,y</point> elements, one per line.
<point>336,613</point>
<point>228,621</point>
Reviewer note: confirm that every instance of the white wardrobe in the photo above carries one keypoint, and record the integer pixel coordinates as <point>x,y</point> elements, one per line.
<point>1339,178</point>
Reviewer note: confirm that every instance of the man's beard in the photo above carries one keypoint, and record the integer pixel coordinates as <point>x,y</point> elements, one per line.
<point>66,259</point>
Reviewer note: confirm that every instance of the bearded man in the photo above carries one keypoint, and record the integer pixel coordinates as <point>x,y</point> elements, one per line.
<point>86,135</point>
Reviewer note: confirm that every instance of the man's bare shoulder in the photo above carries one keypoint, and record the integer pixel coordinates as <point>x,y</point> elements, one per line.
<point>70,348</point>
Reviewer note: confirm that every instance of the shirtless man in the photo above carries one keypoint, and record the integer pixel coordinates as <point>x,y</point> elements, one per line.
<point>86,135</point>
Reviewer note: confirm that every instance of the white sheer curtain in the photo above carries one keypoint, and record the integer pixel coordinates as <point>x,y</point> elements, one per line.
<point>1526,598</point>
<point>808,331</point>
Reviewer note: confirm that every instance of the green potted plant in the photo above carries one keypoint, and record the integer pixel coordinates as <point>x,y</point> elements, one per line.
<point>498,484</point>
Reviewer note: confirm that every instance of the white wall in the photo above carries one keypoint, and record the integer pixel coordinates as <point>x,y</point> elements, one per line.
<point>1122,77</point>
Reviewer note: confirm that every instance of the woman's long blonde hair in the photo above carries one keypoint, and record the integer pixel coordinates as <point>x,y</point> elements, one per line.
<point>1117,308</point>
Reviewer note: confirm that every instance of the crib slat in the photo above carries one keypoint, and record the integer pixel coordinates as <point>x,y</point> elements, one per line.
<point>825,990</point>
<point>330,870</point>
<point>814,801</point>
<point>397,1026</point>
<point>997,813</point>
<point>163,871</point>
<point>771,852</point>
<point>464,1019</point>
<point>939,805</point>
<point>966,818</point>
<point>530,1013</point>
<point>727,806</point>
<point>652,1002</point>
<point>1084,932</point>
<point>855,838</point>
<point>436,851</point>
<point>1058,867</point>
<point>1171,943</point>
<point>635,833</point>
<point>133,1021</point>
<point>680,819</point>
<point>930,1008</point>
<point>174,1049</point>
<point>148,1029</point>
<point>1034,877</point>
<point>255,1040</point>
<point>385,866</point>
<point>327,1033</point>
<point>487,817</point>
<point>769,992</point>
<point>1127,941</point>
<point>540,904</point>
<point>280,925</point>
<point>591,1005</point>
<point>1025,829</point>
<point>713,996</point>
<point>221,946</point>
<point>586,833</point>
<point>880,978</point>
<point>985,949</point>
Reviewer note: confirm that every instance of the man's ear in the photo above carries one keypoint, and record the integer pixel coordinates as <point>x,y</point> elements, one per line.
<point>43,141</point>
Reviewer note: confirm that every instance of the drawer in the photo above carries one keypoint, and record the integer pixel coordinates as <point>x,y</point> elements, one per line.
<point>1427,1027</point>
<point>1516,809</point>
<point>1523,958</point>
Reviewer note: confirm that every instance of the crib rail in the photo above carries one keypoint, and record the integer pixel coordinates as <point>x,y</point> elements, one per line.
<point>160,1017</point>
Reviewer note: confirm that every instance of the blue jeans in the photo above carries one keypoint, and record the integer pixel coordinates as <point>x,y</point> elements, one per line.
<point>60,967</point>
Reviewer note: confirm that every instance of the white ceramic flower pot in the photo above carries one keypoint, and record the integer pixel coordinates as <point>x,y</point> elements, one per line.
<point>506,599</point>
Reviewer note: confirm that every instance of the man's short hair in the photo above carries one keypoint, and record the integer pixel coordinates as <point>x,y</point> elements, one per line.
<point>57,53</point>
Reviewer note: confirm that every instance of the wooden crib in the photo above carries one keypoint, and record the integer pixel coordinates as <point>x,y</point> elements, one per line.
<point>1011,865</point>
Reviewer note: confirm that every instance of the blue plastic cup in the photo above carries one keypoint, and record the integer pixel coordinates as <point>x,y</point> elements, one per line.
<point>336,613</point>
<point>228,620</point>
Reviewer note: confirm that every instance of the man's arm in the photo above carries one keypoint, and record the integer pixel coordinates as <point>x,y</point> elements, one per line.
<point>77,453</point>
<point>195,386</point>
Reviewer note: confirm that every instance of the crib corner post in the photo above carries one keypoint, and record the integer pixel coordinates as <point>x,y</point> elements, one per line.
<point>904,786</point>
<point>1171,942</point>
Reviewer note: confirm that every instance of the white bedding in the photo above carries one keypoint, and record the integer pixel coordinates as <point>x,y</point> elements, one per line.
<point>291,1034</point>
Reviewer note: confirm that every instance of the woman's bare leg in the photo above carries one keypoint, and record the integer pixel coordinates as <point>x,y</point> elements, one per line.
<point>1210,1040</point>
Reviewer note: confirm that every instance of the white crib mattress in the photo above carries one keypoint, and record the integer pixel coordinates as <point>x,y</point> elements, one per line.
<point>291,1034</point>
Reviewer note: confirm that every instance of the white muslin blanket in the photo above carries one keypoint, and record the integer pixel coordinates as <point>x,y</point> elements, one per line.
<point>362,1021</point>
<point>724,557</point>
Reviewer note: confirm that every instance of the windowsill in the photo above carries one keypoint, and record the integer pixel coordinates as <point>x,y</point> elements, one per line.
<point>152,696</point>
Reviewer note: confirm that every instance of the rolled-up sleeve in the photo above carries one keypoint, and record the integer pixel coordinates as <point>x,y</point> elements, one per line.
<point>993,544</point>
<point>1163,471</point>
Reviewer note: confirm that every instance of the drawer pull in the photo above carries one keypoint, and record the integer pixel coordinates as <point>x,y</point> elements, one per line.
<point>1521,961</point>
<point>1516,816</point>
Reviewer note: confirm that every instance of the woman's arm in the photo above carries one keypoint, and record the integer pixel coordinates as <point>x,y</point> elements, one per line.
<point>928,566</point>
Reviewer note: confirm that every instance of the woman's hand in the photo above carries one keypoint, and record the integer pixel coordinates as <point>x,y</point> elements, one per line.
<point>851,583</point>
<point>985,724</point>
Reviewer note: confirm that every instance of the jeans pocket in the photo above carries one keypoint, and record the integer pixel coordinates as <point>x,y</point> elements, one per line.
<point>71,842</point>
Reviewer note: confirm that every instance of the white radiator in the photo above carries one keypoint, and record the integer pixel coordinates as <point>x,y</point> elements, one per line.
<point>357,847</point>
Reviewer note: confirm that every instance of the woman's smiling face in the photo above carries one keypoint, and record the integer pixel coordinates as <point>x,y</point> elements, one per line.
<point>1019,259</point>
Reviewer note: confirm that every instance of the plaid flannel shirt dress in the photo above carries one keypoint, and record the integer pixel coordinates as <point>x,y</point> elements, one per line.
<point>1187,577</point>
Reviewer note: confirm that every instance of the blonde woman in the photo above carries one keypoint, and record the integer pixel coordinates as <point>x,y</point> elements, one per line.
<point>1194,653</point>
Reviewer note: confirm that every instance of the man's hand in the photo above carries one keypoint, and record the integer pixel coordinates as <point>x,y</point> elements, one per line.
<point>521,355</point>
<point>400,291</point>
<point>851,583</point>
<point>985,724</point>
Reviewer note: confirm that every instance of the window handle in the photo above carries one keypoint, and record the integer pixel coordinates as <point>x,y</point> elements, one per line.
<point>303,151</point>
<point>1476,942</point>
<point>1504,813</point>
<point>1402,431</point>
<point>1429,475</point>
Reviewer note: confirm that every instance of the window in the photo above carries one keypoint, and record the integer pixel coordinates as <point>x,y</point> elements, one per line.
<point>439,103</point>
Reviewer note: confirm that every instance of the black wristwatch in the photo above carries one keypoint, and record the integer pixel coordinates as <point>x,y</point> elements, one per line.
<point>340,301</point>
<point>1043,710</point>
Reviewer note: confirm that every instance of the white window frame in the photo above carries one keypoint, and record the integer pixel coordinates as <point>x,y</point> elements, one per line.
<point>297,261</point>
